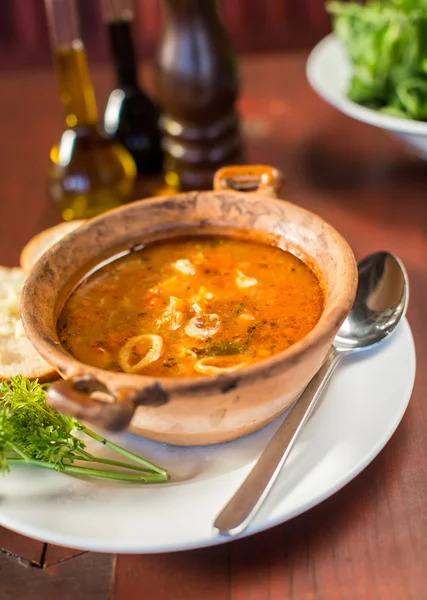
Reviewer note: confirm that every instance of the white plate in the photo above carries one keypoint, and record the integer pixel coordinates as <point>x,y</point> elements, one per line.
<point>360,411</point>
<point>328,71</point>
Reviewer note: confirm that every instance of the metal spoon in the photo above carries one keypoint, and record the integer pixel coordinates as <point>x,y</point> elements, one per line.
<point>380,304</point>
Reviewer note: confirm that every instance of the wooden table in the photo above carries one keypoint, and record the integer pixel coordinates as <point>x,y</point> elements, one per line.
<point>369,541</point>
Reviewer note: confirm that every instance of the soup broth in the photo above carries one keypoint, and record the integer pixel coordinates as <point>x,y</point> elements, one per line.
<point>191,306</point>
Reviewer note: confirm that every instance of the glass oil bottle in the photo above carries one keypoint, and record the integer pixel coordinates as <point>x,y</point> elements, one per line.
<point>89,173</point>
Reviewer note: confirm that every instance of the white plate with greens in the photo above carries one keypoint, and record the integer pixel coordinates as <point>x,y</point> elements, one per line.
<point>333,76</point>
<point>360,411</point>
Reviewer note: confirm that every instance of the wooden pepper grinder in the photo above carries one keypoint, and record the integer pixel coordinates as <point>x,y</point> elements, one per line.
<point>197,86</point>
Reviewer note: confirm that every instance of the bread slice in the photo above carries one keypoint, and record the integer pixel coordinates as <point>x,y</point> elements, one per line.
<point>17,355</point>
<point>41,242</point>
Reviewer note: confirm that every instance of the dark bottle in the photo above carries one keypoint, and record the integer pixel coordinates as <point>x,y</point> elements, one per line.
<point>130,116</point>
<point>197,86</point>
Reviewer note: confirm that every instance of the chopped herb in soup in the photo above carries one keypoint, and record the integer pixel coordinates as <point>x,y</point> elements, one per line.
<point>191,306</point>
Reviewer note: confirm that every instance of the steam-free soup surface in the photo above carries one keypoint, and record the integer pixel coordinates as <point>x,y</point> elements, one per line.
<point>191,306</point>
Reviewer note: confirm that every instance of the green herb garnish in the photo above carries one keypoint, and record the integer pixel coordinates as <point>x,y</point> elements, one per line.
<point>238,309</point>
<point>224,348</point>
<point>31,432</point>
<point>387,45</point>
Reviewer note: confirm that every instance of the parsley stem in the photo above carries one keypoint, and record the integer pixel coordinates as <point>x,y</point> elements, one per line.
<point>143,478</point>
<point>146,478</point>
<point>18,451</point>
<point>115,463</point>
<point>85,455</point>
<point>104,461</point>
<point>124,452</point>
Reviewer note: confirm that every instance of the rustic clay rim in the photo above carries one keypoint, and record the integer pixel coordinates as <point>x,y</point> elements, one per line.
<point>117,381</point>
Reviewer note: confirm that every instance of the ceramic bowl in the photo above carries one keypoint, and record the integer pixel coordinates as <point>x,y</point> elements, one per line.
<point>199,410</point>
<point>328,72</point>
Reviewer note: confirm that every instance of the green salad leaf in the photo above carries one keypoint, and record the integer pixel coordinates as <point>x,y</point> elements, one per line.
<point>32,432</point>
<point>387,45</point>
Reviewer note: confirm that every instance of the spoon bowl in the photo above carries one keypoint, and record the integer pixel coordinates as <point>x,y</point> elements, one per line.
<point>380,303</point>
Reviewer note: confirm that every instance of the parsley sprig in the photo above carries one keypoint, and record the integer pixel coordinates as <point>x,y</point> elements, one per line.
<point>32,432</point>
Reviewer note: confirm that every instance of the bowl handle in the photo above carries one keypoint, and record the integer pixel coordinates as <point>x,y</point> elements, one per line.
<point>88,399</point>
<point>259,179</point>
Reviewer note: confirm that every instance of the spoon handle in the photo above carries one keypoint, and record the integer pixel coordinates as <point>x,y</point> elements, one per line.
<point>239,512</point>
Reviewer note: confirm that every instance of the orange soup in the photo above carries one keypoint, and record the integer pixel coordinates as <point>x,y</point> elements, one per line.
<point>191,306</point>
